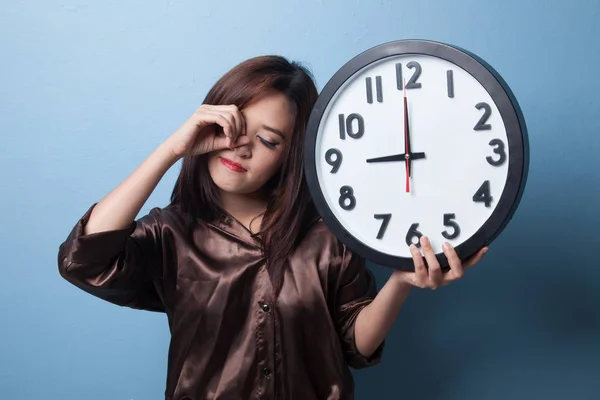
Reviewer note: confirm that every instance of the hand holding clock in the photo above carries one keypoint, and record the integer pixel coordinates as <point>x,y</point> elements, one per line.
<point>432,276</point>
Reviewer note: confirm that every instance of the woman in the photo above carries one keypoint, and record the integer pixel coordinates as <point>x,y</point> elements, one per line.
<point>262,300</point>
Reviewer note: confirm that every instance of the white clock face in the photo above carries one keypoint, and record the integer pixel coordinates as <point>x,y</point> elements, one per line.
<point>459,154</point>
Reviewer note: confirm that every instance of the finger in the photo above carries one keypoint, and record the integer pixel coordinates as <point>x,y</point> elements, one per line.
<point>420,270</point>
<point>456,267</point>
<point>405,276</point>
<point>210,117</point>
<point>241,141</point>
<point>435,272</point>
<point>236,120</point>
<point>234,129</point>
<point>220,141</point>
<point>244,126</point>
<point>239,120</point>
<point>226,123</point>
<point>475,258</point>
<point>224,142</point>
<point>229,113</point>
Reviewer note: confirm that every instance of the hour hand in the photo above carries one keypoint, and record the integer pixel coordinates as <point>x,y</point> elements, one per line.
<point>396,157</point>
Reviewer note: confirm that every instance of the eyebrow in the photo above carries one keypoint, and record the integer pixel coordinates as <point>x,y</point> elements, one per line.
<point>275,131</point>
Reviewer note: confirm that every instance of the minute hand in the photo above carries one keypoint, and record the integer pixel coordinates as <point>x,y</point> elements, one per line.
<point>407,138</point>
<point>396,157</point>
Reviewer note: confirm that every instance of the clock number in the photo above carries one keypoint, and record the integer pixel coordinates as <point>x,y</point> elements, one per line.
<point>450,80</point>
<point>483,194</point>
<point>481,124</point>
<point>413,233</point>
<point>347,200</point>
<point>412,83</point>
<point>347,126</point>
<point>448,221</point>
<point>498,150</point>
<point>378,88</point>
<point>334,162</point>
<point>385,220</point>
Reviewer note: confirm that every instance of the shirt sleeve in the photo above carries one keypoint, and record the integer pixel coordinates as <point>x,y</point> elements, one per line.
<point>122,266</point>
<point>356,290</point>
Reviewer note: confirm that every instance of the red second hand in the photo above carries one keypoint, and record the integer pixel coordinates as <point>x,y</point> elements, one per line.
<point>407,179</point>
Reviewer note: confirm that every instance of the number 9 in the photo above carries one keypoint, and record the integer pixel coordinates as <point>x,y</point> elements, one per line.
<point>334,162</point>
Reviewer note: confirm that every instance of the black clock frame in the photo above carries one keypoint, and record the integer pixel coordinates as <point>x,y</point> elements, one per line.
<point>516,131</point>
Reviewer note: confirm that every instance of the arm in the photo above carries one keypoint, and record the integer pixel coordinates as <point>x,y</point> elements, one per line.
<point>122,266</point>
<point>355,290</point>
<point>376,319</point>
<point>113,257</point>
<point>119,208</point>
<point>120,260</point>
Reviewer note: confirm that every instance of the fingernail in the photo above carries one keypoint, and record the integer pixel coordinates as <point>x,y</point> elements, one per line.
<point>446,246</point>
<point>425,240</point>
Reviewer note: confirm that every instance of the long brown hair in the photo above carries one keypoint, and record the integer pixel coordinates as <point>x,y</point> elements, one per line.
<point>290,210</point>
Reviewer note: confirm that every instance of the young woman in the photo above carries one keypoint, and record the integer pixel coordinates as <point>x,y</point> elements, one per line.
<point>262,300</point>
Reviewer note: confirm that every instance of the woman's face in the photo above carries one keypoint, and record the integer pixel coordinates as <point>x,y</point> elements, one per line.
<point>269,126</point>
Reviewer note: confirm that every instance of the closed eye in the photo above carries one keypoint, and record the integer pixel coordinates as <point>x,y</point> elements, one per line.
<point>270,145</point>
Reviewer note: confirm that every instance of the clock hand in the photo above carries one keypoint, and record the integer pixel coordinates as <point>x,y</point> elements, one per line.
<point>407,141</point>
<point>396,157</point>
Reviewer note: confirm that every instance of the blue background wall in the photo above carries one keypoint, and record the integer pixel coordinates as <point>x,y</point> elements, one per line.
<point>88,89</point>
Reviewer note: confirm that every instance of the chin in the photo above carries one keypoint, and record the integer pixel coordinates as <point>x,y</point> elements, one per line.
<point>228,187</point>
<point>233,184</point>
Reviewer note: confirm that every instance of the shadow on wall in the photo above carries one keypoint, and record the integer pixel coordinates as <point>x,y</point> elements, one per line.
<point>523,325</point>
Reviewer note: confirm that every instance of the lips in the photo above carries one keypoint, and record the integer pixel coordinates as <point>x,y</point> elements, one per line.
<point>232,165</point>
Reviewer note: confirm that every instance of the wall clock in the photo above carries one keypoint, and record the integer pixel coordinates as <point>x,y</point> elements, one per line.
<point>412,138</point>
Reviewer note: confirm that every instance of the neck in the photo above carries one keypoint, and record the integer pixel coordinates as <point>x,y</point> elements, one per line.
<point>245,208</point>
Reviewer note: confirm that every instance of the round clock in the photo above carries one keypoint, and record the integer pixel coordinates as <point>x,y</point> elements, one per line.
<point>415,138</point>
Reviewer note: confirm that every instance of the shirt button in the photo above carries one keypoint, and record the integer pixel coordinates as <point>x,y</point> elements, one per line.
<point>266,307</point>
<point>266,371</point>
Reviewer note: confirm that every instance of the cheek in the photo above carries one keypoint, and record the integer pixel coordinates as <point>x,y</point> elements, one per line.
<point>212,160</point>
<point>270,163</point>
<point>214,167</point>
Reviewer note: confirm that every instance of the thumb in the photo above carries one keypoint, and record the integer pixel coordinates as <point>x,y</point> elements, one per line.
<point>220,143</point>
<point>241,140</point>
<point>405,277</point>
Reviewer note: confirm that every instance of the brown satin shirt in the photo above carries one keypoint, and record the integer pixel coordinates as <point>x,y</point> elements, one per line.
<point>231,338</point>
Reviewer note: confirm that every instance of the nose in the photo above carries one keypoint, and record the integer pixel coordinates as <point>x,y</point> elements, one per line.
<point>244,151</point>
